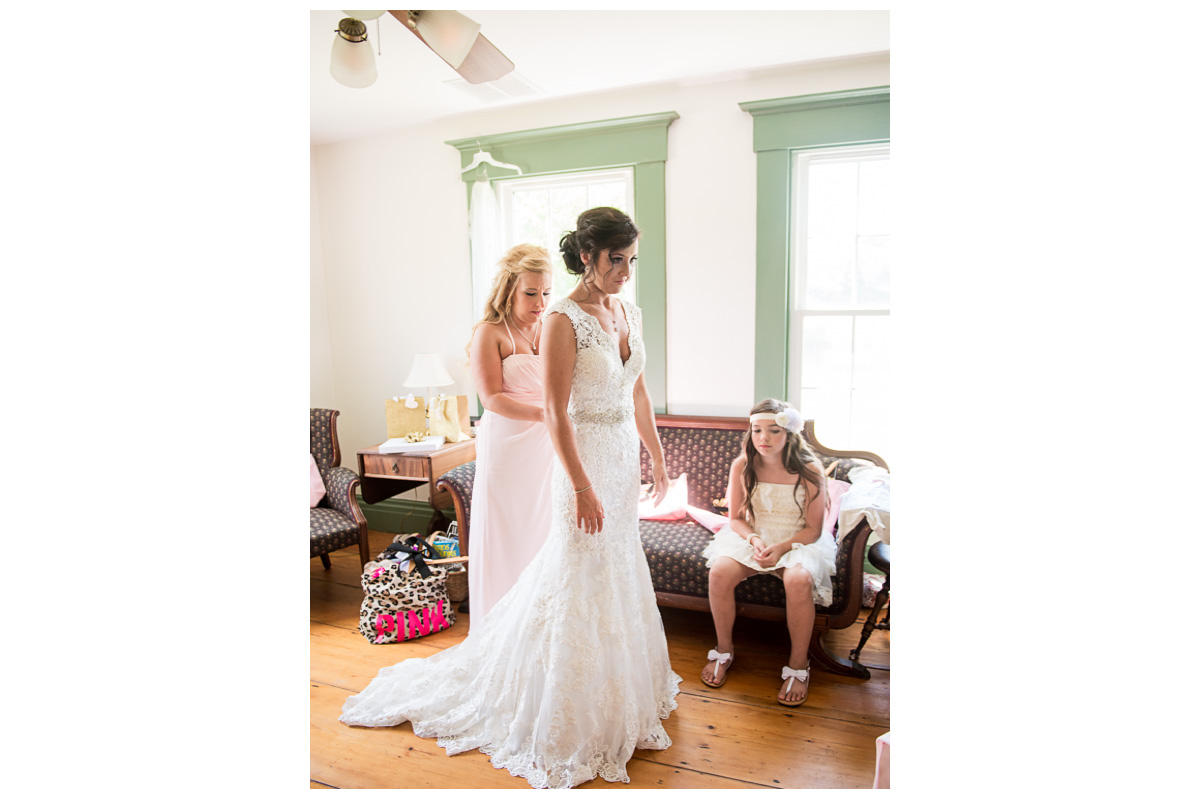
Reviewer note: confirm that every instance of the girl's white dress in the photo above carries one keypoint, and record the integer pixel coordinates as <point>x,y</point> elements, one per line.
<point>569,672</point>
<point>777,517</point>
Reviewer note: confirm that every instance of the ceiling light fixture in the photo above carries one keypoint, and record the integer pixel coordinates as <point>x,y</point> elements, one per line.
<point>352,62</point>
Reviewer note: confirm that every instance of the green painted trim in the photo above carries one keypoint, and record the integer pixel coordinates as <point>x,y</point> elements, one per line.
<point>781,127</point>
<point>640,142</point>
<point>590,145</point>
<point>822,120</point>
<point>399,515</point>
<point>808,102</point>
<point>771,289</point>
<point>650,206</point>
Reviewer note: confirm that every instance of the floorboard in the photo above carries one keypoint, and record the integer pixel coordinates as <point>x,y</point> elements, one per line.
<point>733,737</point>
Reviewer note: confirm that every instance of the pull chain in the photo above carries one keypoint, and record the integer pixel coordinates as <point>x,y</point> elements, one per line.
<point>378,43</point>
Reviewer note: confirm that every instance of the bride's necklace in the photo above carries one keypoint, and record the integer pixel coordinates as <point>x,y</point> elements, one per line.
<point>532,342</point>
<point>611,322</point>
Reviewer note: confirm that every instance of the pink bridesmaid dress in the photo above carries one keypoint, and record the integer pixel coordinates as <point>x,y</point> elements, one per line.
<point>510,506</point>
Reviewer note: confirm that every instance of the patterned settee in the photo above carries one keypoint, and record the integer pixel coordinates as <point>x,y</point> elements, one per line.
<point>704,448</point>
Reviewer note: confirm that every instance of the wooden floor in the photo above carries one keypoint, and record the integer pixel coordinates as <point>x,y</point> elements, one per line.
<point>733,737</point>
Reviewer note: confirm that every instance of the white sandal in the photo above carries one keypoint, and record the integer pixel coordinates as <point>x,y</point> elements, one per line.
<point>721,659</point>
<point>790,675</point>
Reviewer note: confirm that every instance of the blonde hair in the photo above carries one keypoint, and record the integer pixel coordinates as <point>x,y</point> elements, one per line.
<point>518,261</point>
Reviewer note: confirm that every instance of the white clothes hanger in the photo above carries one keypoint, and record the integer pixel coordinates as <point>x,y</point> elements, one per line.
<point>483,157</point>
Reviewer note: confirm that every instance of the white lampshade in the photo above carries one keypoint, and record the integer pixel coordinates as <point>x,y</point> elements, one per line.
<point>364,15</point>
<point>428,370</point>
<point>449,33</point>
<point>352,63</point>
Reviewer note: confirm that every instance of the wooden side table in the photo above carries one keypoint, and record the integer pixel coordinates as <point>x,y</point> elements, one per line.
<point>385,475</point>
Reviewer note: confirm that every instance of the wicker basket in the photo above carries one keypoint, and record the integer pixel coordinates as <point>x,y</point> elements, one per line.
<point>456,585</point>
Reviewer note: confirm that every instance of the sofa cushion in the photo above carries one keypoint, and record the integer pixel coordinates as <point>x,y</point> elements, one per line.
<point>673,553</point>
<point>329,530</point>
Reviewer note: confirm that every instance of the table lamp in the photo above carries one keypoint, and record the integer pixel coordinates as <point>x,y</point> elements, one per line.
<point>428,372</point>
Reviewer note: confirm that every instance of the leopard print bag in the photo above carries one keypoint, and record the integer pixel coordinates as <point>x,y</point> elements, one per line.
<point>400,605</point>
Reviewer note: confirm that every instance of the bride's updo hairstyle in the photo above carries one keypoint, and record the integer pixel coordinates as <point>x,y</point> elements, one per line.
<point>596,230</point>
<point>516,262</point>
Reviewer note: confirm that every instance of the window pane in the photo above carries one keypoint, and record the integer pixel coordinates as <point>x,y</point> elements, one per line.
<point>607,194</point>
<point>872,353</point>
<point>872,378</point>
<point>874,197</point>
<point>825,376</point>
<point>833,199</point>
<point>529,211</point>
<point>874,272</point>
<point>830,274</point>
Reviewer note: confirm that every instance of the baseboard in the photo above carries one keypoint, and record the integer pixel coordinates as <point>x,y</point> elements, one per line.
<point>398,515</point>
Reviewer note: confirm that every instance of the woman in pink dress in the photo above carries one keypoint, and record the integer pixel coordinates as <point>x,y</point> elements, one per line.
<point>510,507</point>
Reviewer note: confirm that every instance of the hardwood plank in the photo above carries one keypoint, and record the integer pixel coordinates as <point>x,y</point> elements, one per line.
<point>391,758</point>
<point>761,651</point>
<point>769,746</point>
<point>344,658</point>
<point>370,758</point>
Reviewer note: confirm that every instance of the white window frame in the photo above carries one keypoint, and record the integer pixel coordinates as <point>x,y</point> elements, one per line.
<point>801,160</point>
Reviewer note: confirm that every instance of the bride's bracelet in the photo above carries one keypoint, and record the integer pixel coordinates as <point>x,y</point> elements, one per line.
<point>751,536</point>
<point>584,489</point>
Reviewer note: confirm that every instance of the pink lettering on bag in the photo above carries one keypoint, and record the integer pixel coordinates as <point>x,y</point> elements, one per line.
<point>384,623</point>
<point>426,621</point>
<point>415,624</point>
<point>439,618</point>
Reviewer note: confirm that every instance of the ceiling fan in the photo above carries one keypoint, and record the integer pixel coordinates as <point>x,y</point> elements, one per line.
<point>453,36</point>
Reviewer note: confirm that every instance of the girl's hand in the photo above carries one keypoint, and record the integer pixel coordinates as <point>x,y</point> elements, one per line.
<point>589,513</point>
<point>769,556</point>
<point>757,544</point>
<point>661,483</point>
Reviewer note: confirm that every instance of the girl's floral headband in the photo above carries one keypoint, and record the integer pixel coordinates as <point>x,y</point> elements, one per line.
<point>788,419</point>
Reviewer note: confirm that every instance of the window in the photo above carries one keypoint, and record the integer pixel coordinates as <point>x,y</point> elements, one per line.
<point>539,210</point>
<point>572,155</point>
<point>840,306</point>
<point>822,296</point>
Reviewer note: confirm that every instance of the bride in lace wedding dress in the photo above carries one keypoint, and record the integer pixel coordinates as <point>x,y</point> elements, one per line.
<point>570,672</point>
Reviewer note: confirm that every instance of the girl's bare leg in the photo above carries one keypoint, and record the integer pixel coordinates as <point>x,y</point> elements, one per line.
<point>723,578</point>
<point>801,612</point>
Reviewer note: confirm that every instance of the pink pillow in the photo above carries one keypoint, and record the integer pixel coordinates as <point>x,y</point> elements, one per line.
<point>673,506</point>
<point>836,489</point>
<point>316,486</point>
<point>709,519</point>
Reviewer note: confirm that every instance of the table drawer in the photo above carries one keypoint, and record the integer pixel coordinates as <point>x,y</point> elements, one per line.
<point>389,466</point>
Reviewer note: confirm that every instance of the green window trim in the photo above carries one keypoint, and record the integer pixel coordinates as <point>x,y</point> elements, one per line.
<point>639,142</point>
<point>781,127</point>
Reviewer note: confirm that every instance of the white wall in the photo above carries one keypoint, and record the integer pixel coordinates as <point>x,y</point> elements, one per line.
<point>321,393</point>
<point>393,234</point>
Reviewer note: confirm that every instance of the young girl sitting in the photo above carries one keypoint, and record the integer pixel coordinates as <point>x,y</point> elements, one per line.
<point>777,503</point>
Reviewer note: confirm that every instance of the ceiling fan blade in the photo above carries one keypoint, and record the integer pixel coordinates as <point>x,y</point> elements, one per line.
<point>484,61</point>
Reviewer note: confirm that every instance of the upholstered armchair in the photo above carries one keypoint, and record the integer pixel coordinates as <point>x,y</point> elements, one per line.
<point>337,521</point>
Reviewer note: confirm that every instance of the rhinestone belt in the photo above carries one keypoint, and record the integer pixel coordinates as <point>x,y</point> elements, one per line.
<point>613,416</point>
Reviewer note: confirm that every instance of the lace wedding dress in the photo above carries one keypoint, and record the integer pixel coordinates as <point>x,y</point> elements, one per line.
<point>569,672</point>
